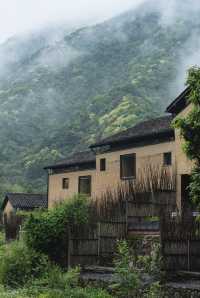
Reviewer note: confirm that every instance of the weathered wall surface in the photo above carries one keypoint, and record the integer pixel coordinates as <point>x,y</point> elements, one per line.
<point>8,210</point>
<point>57,193</point>
<point>110,179</point>
<point>183,164</point>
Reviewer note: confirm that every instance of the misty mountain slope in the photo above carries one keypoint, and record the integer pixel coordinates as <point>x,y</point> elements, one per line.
<point>59,97</point>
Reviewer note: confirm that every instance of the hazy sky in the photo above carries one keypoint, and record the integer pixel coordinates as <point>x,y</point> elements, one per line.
<point>18,16</point>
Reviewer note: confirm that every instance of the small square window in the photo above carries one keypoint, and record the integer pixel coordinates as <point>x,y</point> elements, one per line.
<point>65,183</point>
<point>84,185</point>
<point>128,166</point>
<point>167,159</point>
<point>102,164</point>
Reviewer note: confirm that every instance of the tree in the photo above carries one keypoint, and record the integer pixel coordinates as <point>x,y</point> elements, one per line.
<point>189,127</point>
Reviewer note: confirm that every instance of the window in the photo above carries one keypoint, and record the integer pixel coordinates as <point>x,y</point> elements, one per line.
<point>167,159</point>
<point>102,164</point>
<point>65,183</point>
<point>128,166</point>
<point>84,185</point>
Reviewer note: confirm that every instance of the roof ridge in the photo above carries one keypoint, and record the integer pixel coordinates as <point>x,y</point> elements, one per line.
<point>24,193</point>
<point>136,126</point>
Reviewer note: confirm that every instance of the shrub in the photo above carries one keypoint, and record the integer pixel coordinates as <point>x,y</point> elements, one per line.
<point>57,279</point>
<point>46,232</point>
<point>154,291</point>
<point>18,264</point>
<point>76,293</point>
<point>64,284</point>
<point>189,127</point>
<point>126,272</point>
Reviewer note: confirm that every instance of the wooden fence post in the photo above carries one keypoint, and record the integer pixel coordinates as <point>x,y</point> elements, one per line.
<point>188,255</point>
<point>126,216</point>
<point>99,241</point>
<point>69,248</point>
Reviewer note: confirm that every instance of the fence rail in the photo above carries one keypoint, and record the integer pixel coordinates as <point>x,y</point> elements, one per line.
<point>99,247</point>
<point>181,244</point>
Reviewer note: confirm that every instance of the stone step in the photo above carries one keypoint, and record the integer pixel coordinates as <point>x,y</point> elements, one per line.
<point>189,274</point>
<point>98,269</point>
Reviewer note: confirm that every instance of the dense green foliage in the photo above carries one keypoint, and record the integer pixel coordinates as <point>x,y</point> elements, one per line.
<point>130,269</point>
<point>27,273</point>
<point>18,264</point>
<point>40,279</point>
<point>46,231</point>
<point>190,131</point>
<point>56,98</point>
<point>127,273</point>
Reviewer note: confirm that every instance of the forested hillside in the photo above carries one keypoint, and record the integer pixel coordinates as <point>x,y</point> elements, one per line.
<point>58,97</point>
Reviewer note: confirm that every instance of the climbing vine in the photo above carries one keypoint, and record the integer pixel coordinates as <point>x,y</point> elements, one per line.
<point>189,127</point>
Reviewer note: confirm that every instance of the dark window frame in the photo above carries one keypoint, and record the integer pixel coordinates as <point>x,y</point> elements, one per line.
<point>102,164</point>
<point>65,186</point>
<point>167,158</point>
<point>132,155</point>
<point>89,177</point>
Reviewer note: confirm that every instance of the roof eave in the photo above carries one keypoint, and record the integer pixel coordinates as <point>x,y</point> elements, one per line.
<point>173,107</point>
<point>69,165</point>
<point>167,132</point>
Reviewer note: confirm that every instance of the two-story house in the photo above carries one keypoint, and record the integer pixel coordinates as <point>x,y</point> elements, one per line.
<point>123,157</point>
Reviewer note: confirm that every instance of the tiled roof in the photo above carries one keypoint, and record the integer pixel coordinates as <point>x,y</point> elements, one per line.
<point>153,127</point>
<point>78,158</point>
<point>179,103</point>
<point>25,201</point>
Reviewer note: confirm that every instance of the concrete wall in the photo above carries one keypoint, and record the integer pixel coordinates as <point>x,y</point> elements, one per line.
<point>110,179</point>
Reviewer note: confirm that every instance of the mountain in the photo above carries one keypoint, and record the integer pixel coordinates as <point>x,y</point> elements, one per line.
<point>57,95</point>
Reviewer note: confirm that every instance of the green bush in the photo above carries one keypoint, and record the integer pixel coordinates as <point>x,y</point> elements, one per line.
<point>46,232</point>
<point>189,127</point>
<point>57,279</point>
<point>154,291</point>
<point>57,283</point>
<point>76,293</point>
<point>127,274</point>
<point>19,264</point>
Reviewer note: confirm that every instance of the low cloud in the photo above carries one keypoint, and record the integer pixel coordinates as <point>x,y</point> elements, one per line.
<point>19,16</point>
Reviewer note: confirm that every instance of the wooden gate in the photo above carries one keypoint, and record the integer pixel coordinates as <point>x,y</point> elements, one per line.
<point>95,244</point>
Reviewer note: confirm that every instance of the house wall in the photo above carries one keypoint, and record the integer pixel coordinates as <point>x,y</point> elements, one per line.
<point>110,179</point>
<point>7,210</point>
<point>183,164</point>
<point>55,191</point>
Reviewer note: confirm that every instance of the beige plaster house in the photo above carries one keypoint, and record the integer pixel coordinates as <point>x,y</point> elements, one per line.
<point>123,157</point>
<point>14,202</point>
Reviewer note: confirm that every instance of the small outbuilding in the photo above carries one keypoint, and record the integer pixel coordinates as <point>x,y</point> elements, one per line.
<point>14,202</point>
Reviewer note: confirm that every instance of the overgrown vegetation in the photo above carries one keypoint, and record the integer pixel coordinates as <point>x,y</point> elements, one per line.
<point>20,264</point>
<point>46,231</point>
<point>189,127</point>
<point>29,274</point>
<point>28,269</point>
<point>130,271</point>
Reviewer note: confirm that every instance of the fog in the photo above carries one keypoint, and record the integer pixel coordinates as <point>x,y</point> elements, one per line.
<point>19,16</point>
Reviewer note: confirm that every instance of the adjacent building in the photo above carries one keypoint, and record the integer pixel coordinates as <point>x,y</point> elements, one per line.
<point>14,202</point>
